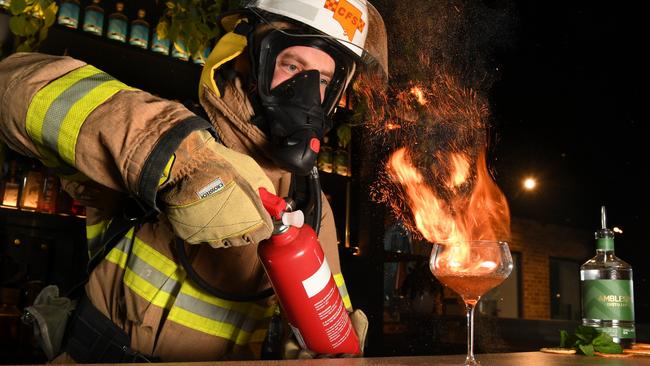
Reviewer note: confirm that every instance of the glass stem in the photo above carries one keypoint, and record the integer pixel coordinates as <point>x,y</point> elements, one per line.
<point>469,307</point>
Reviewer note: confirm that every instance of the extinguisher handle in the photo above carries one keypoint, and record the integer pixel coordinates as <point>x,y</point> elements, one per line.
<point>273,204</point>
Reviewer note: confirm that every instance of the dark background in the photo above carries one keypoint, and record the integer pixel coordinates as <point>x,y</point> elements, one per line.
<point>568,108</point>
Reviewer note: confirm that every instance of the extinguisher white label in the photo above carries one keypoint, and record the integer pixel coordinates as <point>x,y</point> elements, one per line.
<point>317,282</point>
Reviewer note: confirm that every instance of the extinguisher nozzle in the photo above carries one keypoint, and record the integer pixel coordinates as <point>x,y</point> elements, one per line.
<point>295,218</point>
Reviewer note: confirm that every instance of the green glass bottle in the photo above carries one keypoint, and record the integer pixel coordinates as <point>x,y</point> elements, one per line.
<point>607,290</point>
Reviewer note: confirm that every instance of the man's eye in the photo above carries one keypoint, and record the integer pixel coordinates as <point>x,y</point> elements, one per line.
<point>324,82</point>
<point>292,67</point>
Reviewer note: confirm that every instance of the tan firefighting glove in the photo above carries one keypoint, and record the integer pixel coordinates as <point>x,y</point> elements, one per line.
<point>292,349</point>
<point>211,196</point>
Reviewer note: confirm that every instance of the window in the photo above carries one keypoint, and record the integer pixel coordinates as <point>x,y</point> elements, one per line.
<point>565,289</point>
<point>504,301</point>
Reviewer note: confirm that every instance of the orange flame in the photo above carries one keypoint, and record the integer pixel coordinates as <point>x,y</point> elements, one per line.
<point>449,192</point>
<point>419,95</point>
<point>483,215</point>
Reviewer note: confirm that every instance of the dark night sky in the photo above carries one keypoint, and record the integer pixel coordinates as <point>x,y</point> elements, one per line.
<point>568,108</point>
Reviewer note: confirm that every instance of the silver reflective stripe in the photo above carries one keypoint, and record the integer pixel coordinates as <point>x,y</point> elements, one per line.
<point>150,274</point>
<point>216,313</point>
<point>202,311</point>
<point>61,105</point>
<point>343,291</point>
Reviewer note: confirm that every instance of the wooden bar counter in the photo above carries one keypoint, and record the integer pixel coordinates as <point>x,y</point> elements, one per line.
<point>493,359</point>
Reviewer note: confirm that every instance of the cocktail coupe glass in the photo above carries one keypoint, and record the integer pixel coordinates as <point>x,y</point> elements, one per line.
<point>471,269</point>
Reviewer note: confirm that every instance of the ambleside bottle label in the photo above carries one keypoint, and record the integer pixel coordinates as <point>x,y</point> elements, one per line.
<point>608,300</point>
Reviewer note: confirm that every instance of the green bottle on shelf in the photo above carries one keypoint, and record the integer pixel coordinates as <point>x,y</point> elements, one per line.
<point>94,18</point>
<point>69,13</point>
<point>140,31</point>
<point>118,24</point>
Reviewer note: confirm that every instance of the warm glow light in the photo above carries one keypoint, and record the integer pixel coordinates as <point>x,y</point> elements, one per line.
<point>617,230</point>
<point>530,184</point>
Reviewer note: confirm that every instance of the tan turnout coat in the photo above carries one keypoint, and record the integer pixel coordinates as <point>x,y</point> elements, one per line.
<point>139,285</point>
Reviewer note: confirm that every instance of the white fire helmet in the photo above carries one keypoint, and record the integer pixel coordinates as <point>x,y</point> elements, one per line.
<point>354,24</point>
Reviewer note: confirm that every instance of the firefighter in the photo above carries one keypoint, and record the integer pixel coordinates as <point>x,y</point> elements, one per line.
<point>160,183</point>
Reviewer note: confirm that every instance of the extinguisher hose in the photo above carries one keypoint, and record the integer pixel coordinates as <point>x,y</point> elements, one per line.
<point>315,196</point>
<point>203,284</point>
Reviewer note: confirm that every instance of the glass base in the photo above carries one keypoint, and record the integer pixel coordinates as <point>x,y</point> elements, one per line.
<point>471,361</point>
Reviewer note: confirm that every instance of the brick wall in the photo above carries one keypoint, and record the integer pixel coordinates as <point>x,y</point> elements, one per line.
<point>537,243</point>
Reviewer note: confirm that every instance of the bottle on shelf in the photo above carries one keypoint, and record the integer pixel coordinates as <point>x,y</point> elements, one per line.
<point>77,208</point>
<point>179,49</point>
<point>139,36</point>
<point>63,204</point>
<point>47,202</point>
<point>324,161</point>
<point>11,192</point>
<point>201,55</point>
<point>5,34</point>
<point>69,13</point>
<point>341,162</point>
<point>607,290</point>
<point>118,24</point>
<point>31,188</point>
<point>159,45</point>
<point>94,18</point>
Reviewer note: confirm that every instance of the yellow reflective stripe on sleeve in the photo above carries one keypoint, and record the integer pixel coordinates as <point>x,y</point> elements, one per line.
<point>71,125</point>
<point>343,290</point>
<point>44,98</point>
<point>58,111</point>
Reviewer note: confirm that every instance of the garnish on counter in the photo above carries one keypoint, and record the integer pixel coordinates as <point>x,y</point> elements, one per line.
<point>639,349</point>
<point>589,341</point>
<point>560,350</point>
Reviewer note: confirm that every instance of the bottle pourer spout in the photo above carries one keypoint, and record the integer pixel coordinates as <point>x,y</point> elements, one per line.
<point>603,217</point>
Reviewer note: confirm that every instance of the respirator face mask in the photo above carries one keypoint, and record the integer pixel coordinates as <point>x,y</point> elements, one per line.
<point>295,117</point>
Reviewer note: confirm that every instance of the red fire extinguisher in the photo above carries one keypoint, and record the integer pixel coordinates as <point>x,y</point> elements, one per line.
<point>299,273</point>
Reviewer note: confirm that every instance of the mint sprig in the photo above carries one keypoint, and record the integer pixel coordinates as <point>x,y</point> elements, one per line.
<point>588,340</point>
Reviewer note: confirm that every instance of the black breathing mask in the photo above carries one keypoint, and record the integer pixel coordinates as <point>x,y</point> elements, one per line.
<point>297,121</point>
<point>293,113</point>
